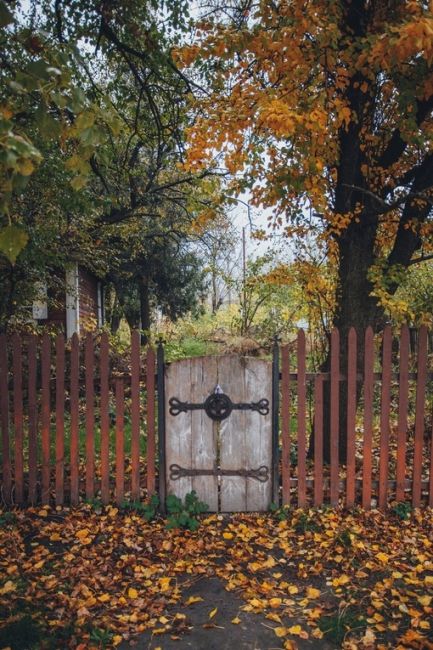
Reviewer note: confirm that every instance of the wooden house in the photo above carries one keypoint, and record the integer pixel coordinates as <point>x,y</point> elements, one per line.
<point>74,304</point>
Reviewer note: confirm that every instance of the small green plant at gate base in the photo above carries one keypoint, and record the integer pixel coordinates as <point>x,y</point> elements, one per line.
<point>184,515</point>
<point>147,510</point>
<point>281,513</point>
<point>402,510</point>
<point>7,519</point>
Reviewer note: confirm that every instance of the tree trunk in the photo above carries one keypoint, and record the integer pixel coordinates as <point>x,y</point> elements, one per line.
<point>143,289</point>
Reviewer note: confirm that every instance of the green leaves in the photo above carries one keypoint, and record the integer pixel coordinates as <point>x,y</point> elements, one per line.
<point>12,241</point>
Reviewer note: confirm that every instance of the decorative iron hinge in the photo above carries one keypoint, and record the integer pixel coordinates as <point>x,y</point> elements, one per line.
<point>260,474</point>
<point>218,406</point>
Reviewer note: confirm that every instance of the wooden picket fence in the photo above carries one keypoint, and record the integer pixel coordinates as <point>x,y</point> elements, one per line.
<point>57,392</point>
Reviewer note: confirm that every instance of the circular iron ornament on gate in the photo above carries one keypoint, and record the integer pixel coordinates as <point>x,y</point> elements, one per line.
<point>218,406</point>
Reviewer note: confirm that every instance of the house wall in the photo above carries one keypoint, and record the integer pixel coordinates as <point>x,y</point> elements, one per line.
<point>88,300</point>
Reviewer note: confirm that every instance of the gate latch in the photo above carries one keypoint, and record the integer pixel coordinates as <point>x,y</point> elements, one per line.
<point>218,406</point>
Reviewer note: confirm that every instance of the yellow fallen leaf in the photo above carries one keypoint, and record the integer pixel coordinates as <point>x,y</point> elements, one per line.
<point>280,631</point>
<point>317,633</point>
<point>83,533</point>
<point>213,612</point>
<point>312,592</point>
<point>228,535</point>
<point>39,564</point>
<point>8,587</point>
<point>425,600</point>
<point>55,537</point>
<point>117,639</point>
<point>293,590</point>
<point>295,629</point>
<point>275,602</point>
<point>290,645</point>
<point>273,617</point>
<point>424,625</point>
<point>193,599</point>
<point>132,593</point>
<point>383,557</point>
<point>236,620</point>
<point>103,598</point>
<point>428,580</point>
<point>164,583</point>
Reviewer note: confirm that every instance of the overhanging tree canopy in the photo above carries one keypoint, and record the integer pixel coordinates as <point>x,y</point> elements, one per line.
<point>326,109</point>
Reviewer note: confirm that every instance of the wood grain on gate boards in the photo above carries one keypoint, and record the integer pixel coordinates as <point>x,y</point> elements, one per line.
<point>60,418</point>
<point>385,413</point>
<point>203,430</point>
<point>419,416</point>
<point>233,448</point>
<point>150,420</point>
<point>285,422</point>
<point>258,430</point>
<point>178,444</point>
<point>403,404</point>
<point>4,419</point>
<point>368,417</point>
<point>33,417</point>
<point>18,417</point>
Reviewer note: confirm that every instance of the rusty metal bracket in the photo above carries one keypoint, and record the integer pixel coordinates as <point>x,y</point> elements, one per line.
<point>260,474</point>
<point>218,406</point>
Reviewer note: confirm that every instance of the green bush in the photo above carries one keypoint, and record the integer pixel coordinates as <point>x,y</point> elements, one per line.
<point>184,515</point>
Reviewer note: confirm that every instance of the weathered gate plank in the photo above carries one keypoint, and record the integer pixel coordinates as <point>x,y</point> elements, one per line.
<point>231,378</point>
<point>203,430</point>
<point>178,435</point>
<point>258,438</point>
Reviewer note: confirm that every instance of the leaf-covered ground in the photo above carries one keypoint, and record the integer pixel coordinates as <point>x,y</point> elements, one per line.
<point>91,578</point>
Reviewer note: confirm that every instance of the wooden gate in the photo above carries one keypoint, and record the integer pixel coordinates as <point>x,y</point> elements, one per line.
<point>218,431</point>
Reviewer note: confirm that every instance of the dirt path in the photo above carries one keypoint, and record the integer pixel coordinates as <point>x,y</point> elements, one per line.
<point>253,632</point>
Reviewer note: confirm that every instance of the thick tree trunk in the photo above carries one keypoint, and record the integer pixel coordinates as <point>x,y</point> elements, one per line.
<point>143,289</point>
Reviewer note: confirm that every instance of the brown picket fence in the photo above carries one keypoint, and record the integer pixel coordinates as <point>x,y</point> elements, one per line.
<point>65,409</point>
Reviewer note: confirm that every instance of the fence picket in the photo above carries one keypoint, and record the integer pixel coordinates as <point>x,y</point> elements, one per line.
<point>351,418</point>
<point>430,488</point>
<point>18,418</point>
<point>75,418</point>
<point>150,420</point>
<point>403,403</point>
<point>120,444</point>
<point>89,362</point>
<point>135,415</point>
<point>318,441</point>
<point>302,484</point>
<point>4,422</point>
<point>285,423</point>
<point>385,413</point>
<point>45,417</point>
<point>60,418</point>
<point>104,406</point>
<point>368,417</point>
<point>419,416</point>
<point>335,415</point>
<point>33,417</point>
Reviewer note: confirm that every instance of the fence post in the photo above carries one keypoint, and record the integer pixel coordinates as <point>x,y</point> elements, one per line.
<point>419,416</point>
<point>150,420</point>
<point>45,417</point>
<point>351,418</point>
<point>403,402</point>
<point>275,421</point>
<point>368,417</point>
<point>335,416</point>
<point>120,442</point>
<point>60,418</point>
<point>302,446</point>
<point>75,418</point>
<point>33,417</point>
<point>318,440</point>
<point>4,406</point>
<point>285,422</point>
<point>89,363</point>
<point>135,416</point>
<point>161,425</point>
<point>105,419</point>
<point>18,417</point>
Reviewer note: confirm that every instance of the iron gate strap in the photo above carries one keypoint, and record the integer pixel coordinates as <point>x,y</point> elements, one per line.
<point>218,406</point>
<point>260,474</point>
